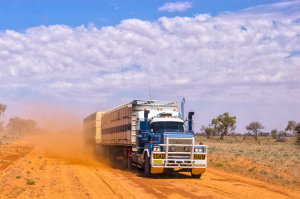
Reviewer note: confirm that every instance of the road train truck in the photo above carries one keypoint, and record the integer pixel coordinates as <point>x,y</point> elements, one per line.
<point>152,135</point>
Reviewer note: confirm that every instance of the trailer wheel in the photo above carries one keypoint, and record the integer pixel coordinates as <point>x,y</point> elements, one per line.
<point>196,176</point>
<point>106,154</point>
<point>125,159</point>
<point>129,166</point>
<point>147,167</point>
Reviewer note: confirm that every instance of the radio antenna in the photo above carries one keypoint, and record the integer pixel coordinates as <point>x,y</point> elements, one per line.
<point>150,92</point>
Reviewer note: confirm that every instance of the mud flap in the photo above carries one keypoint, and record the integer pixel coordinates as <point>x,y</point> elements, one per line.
<point>99,149</point>
<point>157,170</point>
<point>198,171</point>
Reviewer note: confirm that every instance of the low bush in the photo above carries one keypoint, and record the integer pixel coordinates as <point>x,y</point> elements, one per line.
<point>280,140</point>
<point>29,182</point>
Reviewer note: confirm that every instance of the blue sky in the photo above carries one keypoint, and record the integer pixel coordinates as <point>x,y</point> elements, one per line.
<point>22,14</point>
<point>240,57</point>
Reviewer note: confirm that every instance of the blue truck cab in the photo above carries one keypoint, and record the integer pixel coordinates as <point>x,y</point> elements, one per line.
<point>164,143</point>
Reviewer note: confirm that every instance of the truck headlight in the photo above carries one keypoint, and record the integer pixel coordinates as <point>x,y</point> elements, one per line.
<point>156,149</point>
<point>186,149</point>
<point>172,148</point>
<point>201,150</point>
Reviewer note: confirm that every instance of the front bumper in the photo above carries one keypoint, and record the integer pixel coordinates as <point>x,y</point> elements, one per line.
<point>182,160</point>
<point>178,163</point>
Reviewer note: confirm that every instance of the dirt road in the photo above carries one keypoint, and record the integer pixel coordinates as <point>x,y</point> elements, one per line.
<point>58,178</point>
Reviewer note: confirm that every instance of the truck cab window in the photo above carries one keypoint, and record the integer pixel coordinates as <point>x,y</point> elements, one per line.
<point>161,127</point>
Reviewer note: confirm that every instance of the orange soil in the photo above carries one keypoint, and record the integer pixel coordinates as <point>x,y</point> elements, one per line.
<point>60,177</point>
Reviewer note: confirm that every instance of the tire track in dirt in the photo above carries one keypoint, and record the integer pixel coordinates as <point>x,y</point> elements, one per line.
<point>141,186</point>
<point>61,182</point>
<point>12,153</point>
<point>58,178</point>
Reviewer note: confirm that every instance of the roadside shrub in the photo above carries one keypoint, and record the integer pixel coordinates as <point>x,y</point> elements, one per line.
<point>218,164</point>
<point>264,172</point>
<point>251,170</point>
<point>30,182</point>
<point>281,140</point>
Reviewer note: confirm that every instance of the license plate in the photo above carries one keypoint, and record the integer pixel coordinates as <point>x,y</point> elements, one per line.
<point>199,157</point>
<point>159,156</point>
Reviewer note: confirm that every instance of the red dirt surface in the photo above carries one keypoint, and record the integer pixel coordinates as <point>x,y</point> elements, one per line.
<point>66,171</point>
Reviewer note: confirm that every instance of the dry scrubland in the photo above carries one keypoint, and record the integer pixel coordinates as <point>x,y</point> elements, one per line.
<point>267,160</point>
<point>58,168</point>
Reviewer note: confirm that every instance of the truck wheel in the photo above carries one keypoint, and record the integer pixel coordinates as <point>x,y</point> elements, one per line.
<point>129,166</point>
<point>147,167</point>
<point>106,153</point>
<point>124,160</point>
<point>196,176</point>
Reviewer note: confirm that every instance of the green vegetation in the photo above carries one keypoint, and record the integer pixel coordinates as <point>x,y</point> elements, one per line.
<point>224,124</point>
<point>18,177</point>
<point>265,159</point>
<point>291,126</point>
<point>255,127</point>
<point>274,133</point>
<point>2,109</point>
<point>29,182</point>
<point>208,131</point>
<point>20,126</point>
<point>28,172</point>
<point>297,133</point>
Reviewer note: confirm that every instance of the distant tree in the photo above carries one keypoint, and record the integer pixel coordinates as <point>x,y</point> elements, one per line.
<point>208,131</point>
<point>282,134</point>
<point>291,126</point>
<point>266,134</point>
<point>2,127</point>
<point>255,128</point>
<point>274,133</point>
<point>248,134</point>
<point>297,132</point>
<point>2,108</point>
<point>262,134</point>
<point>21,126</point>
<point>224,124</point>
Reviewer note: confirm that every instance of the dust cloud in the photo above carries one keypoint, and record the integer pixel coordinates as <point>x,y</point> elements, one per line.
<point>68,146</point>
<point>62,135</point>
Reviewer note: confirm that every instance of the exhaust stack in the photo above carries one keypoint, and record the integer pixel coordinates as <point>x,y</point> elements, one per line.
<point>191,121</point>
<point>182,107</point>
<point>146,113</point>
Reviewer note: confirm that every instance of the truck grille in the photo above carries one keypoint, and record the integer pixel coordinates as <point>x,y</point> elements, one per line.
<point>178,156</point>
<point>178,149</point>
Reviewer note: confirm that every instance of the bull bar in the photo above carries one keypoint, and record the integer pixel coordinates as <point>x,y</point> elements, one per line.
<point>182,163</point>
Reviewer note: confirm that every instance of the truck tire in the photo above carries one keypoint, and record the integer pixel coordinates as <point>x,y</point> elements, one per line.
<point>125,159</point>
<point>196,176</point>
<point>147,167</point>
<point>106,154</point>
<point>129,166</point>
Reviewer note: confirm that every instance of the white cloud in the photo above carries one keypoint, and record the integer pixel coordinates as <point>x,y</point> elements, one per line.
<point>240,58</point>
<point>177,6</point>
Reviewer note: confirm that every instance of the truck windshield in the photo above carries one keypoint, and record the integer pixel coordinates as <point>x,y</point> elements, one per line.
<point>161,127</point>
